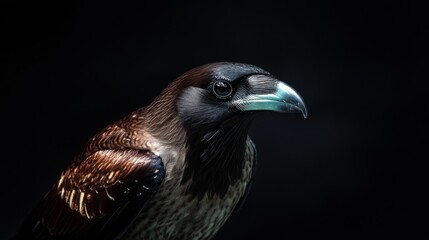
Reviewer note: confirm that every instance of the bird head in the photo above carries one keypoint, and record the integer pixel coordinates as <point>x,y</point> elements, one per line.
<point>215,93</point>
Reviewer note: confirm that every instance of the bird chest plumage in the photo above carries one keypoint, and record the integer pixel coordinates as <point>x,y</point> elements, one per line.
<point>175,214</point>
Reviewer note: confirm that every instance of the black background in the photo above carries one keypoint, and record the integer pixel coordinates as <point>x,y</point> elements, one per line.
<point>352,170</point>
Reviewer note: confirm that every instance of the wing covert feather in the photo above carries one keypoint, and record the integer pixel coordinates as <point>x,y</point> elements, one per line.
<point>93,193</point>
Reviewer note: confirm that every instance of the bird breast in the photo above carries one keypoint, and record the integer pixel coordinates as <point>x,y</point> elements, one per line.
<point>175,214</point>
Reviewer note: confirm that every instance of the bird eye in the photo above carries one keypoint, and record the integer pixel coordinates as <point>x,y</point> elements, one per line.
<point>222,89</point>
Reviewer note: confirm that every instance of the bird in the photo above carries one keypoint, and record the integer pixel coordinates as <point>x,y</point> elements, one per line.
<point>176,168</point>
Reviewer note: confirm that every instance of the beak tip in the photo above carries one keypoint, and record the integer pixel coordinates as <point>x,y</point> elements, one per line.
<point>300,105</point>
<point>303,110</point>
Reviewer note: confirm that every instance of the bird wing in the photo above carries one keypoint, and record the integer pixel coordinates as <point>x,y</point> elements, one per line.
<point>99,196</point>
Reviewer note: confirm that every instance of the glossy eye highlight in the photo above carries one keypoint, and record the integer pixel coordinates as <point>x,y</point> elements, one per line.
<point>222,89</point>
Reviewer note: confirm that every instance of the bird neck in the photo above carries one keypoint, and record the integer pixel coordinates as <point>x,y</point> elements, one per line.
<point>161,117</point>
<point>215,158</point>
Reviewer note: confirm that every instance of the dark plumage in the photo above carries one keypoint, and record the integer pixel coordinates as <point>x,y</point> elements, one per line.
<point>175,169</point>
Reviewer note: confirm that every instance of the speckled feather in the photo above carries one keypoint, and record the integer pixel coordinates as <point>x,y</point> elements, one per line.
<point>175,214</point>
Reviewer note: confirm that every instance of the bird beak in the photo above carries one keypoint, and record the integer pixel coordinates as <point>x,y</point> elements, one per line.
<point>269,94</point>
